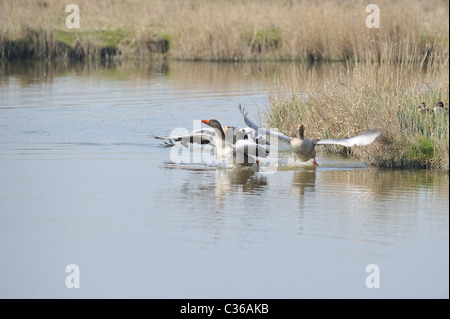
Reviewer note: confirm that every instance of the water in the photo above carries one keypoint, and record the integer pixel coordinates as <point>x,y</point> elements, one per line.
<point>83,182</point>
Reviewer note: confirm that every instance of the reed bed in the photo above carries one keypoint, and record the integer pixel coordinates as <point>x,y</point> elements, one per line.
<point>371,94</point>
<point>313,30</point>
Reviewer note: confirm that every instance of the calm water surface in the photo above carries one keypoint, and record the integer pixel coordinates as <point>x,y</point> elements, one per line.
<point>83,182</point>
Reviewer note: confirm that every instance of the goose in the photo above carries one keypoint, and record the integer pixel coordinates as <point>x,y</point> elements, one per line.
<point>305,150</point>
<point>440,108</point>
<point>244,151</point>
<point>207,136</point>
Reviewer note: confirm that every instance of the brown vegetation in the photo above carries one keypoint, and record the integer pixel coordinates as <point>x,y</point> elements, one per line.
<point>223,30</point>
<point>368,95</point>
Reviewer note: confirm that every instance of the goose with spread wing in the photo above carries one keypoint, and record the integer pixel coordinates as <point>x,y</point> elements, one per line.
<point>304,149</point>
<point>207,135</point>
<point>244,151</point>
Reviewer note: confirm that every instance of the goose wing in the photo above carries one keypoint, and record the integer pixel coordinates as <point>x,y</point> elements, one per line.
<point>259,139</point>
<point>197,138</point>
<point>281,136</point>
<point>360,140</point>
<point>204,130</point>
<point>249,147</point>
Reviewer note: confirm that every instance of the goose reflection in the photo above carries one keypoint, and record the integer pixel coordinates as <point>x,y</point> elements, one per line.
<point>303,180</point>
<point>212,187</point>
<point>243,180</point>
<point>208,194</point>
<point>245,177</point>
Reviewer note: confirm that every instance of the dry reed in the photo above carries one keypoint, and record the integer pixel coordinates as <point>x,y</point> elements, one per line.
<point>234,29</point>
<point>368,95</point>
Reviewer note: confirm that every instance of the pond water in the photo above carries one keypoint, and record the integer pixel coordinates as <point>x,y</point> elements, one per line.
<point>83,182</point>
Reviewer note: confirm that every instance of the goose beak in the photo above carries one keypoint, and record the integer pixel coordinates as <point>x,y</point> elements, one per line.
<point>300,126</point>
<point>205,122</point>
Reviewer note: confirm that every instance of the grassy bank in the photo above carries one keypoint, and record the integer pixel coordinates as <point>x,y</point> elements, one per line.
<point>366,95</point>
<point>223,30</point>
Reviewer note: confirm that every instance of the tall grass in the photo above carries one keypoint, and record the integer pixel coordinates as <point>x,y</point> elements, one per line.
<point>363,95</point>
<point>231,29</point>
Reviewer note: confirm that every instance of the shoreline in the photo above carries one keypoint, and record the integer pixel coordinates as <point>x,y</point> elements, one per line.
<point>39,44</point>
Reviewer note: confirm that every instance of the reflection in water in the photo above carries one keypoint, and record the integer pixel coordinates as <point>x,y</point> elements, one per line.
<point>206,195</point>
<point>302,180</point>
<point>365,204</point>
<point>379,205</point>
<point>247,178</point>
<point>32,72</point>
<point>184,75</point>
<point>210,187</point>
<point>383,184</point>
<point>244,180</point>
<point>303,185</point>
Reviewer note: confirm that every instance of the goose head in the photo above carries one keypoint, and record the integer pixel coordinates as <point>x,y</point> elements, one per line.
<point>213,123</point>
<point>439,104</point>
<point>216,126</point>
<point>301,131</point>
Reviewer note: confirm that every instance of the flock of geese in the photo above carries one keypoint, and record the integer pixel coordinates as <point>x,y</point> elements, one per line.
<point>245,146</point>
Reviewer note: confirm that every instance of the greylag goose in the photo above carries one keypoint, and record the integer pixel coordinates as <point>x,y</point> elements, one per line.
<point>244,151</point>
<point>207,136</point>
<point>304,149</point>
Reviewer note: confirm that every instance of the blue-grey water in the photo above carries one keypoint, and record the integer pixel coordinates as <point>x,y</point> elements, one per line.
<point>83,182</point>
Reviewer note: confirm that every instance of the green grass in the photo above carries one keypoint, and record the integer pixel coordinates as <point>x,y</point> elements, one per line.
<point>67,37</point>
<point>167,38</point>
<point>427,40</point>
<point>269,38</point>
<point>422,150</point>
<point>102,38</point>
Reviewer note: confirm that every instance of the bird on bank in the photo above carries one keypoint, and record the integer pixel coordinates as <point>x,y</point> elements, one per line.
<point>440,108</point>
<point>422,108</point>
<point>304,149</point>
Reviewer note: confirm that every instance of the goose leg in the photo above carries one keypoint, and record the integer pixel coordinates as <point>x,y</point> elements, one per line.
<point>314,162</point>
